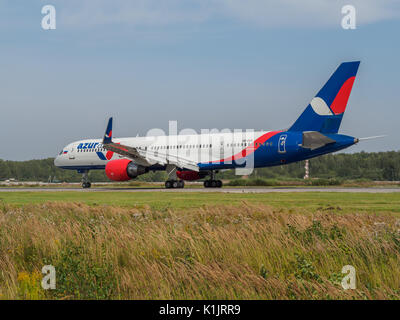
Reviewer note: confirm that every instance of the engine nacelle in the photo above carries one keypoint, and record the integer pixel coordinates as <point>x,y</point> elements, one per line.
<point>190,175</point>
<point>123,170</point>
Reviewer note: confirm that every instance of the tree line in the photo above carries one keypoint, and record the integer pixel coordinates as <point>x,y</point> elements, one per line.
<point>372,166</point>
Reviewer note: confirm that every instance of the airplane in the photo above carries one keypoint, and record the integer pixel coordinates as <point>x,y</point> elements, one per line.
<point>197,156</point>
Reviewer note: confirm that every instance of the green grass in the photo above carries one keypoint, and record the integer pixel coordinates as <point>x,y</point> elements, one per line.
<point>241,250</point>
<point>196,245</point>
<point>368,202</point>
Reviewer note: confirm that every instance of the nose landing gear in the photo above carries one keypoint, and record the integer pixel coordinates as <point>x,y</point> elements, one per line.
<point>86,185</point>
<point>85,179</point>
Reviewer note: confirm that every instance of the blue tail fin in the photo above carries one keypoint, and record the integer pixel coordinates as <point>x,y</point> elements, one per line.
<point>325,111</point>
<point>108,134</point>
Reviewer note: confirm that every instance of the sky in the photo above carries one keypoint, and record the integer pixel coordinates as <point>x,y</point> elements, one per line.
<point>253,64</point>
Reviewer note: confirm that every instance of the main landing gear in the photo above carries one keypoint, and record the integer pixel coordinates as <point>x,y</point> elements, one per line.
<point>212,183</point>
<point>174,184</point>
<point>85,179</point>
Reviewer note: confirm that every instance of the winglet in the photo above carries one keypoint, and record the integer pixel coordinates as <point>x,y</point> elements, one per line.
<point>108,134</point>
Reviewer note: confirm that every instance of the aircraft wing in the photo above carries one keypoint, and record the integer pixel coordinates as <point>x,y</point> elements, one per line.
<point>145,157</point>
<point>165,158</point>
<point>127,151</point>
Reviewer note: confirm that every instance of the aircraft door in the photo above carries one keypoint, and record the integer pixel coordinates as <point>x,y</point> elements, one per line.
<point>222,148</point>
<point>282,143</point>
<point>71,154</point>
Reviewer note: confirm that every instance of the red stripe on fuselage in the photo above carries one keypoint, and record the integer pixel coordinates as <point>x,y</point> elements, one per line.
<point>250,149</point>
<point>338,105</point>
<point>109,155</point>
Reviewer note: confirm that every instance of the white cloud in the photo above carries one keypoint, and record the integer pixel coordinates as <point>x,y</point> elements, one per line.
<point>309,12</point>
<point>264,13</point>
<point>135,12</point>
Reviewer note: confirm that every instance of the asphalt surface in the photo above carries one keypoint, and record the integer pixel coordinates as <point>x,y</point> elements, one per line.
<point>223,190</point>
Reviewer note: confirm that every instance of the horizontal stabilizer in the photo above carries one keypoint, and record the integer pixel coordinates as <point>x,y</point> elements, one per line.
<point>314,140</point>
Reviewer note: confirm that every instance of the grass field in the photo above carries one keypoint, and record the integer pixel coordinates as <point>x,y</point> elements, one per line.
<point>110,245</point>
<point>373,202</point>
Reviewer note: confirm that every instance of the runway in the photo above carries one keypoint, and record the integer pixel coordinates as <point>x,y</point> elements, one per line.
<point>209,190</point>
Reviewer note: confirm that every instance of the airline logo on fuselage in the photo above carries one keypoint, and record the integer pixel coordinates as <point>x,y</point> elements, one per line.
<point>96,145</point>
<point>88,145</point>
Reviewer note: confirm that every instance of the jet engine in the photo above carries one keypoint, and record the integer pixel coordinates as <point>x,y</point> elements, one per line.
<point>123,170</point>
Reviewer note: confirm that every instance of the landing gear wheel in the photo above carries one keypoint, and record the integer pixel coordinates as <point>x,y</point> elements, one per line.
<point>85,179</point>
<point>212,184</point>
<point>174,184</point>
<point>86,185</point>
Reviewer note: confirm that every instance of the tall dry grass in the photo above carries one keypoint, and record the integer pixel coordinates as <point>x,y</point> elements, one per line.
<point>226,252</point>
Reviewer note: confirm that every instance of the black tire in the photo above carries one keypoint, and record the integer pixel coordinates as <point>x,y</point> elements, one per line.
<point>219,184</point>
<point>181,184</point>
<point>89,185</point>
<point>175,184</point>
<point>168,184</point>
<point>206,184</point>
<point>213,184</point>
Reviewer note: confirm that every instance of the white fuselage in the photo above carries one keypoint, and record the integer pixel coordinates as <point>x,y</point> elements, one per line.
<point>200,148</point>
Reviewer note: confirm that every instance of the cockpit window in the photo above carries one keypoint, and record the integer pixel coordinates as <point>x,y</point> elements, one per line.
<point>61,152</point>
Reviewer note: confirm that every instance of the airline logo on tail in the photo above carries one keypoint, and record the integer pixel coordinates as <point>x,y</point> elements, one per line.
<point>338,105</point>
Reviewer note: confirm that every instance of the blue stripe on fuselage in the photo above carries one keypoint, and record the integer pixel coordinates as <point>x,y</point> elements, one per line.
<point>101,156</point>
